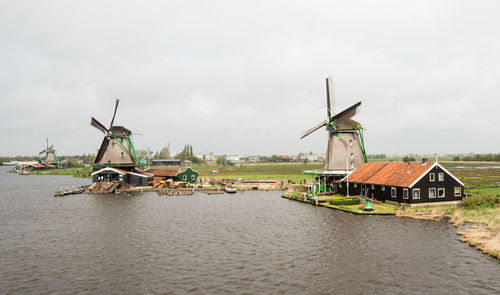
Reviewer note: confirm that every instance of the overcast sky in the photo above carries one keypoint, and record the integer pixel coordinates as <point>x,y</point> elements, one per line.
<point>236,77</point>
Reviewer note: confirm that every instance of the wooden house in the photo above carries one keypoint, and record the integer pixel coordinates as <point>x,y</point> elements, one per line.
<point>403,183</point>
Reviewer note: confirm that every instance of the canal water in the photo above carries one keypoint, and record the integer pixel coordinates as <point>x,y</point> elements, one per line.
<point>248,243</point>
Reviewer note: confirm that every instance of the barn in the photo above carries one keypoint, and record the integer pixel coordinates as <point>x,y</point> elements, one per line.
<point>403,183</point>
<point>110,174</point>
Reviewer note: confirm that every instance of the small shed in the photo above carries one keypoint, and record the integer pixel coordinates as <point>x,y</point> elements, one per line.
<point>188,175</point>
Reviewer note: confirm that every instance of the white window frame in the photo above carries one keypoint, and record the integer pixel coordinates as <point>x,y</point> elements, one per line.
<point>340,184</point>
<point>432,177</point>
<point>441,176</point>
<point>355,185</point>
<point>444,192</point>
<point>192,177</point>
<point>184,177</point>
<point>413,193</point>
<point>394,192</point>
<point>405,190</point>
<point>459,191</point>
<point>383,187</point>
<point>373,186</point>
<point>435,192</point>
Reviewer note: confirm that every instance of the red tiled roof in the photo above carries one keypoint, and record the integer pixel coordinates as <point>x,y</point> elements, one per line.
<point>390,174</point>
<point>163,172</point>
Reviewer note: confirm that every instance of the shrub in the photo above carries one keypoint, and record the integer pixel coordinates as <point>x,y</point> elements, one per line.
<point>479,201</point>
<point>345,201</point>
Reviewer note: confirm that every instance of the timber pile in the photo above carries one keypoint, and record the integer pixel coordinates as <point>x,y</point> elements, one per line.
<point>173,192</point>
<point>164,184</point>
<point>102,188</point>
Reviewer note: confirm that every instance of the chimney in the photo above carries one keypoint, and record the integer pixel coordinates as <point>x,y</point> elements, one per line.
<point>424,161</point>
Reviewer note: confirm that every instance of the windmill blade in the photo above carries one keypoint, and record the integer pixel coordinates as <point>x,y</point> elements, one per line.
<point>98,125</point>
<point>314,128</point>
<point>347,113</point>
<point>329,94</point>
<point>50,147</point>
<point>41,152</point>
<point>114,114</point>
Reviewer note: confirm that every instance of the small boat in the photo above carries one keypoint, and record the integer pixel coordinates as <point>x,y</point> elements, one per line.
<point>230,189</point>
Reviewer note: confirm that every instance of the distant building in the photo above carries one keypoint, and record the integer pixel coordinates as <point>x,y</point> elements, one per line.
<point>166,162</point>
<point>403,183</point>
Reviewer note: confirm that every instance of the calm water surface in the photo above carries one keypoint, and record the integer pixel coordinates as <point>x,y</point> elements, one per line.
<point>248,243</point>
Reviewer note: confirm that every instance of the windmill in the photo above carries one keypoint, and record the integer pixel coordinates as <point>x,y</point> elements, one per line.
<point>50,155</point>
<point>345,136</point>
<point>117,148</point>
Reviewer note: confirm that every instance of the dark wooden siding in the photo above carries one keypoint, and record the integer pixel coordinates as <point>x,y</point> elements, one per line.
<point>448,183</point>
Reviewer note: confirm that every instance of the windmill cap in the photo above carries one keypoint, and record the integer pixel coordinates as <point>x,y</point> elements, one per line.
<point>120,130</point>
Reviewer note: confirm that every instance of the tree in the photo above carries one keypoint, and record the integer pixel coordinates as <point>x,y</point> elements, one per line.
<point>141,154</point>
<point>306,160</point>
<point>221,160</point>
<point>164,153</point>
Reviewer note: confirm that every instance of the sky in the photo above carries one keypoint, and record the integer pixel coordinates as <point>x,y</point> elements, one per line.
<point>247,77</point>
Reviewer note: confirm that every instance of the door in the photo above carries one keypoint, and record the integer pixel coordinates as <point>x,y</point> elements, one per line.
<point>363,190</point>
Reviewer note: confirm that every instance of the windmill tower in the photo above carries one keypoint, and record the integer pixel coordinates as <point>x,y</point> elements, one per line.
<point>50,155</point>
<point>346,149</point>
<point>117,148</point>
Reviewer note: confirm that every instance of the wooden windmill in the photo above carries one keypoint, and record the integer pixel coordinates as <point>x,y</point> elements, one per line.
<point>50,155</point>
<point>346,149</point>
<point>117,148</point>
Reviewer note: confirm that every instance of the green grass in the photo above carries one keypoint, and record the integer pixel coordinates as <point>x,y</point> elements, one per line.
<point>274,171</point>
<point>380,208</point>
<point>76,172</point>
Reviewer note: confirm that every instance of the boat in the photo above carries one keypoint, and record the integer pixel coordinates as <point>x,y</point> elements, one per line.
<point>230,189</point>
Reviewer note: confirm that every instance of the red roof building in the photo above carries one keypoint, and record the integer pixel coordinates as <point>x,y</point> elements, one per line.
<point>402,182</point>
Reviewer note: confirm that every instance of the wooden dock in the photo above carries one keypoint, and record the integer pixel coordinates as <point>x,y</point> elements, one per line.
<point>70,191</point>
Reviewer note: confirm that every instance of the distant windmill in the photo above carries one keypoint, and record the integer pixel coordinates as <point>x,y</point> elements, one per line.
<point>50,155</point>
<point>117,148</point>
<point>345,136</point>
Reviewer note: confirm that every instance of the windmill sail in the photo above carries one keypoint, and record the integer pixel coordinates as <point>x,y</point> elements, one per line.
<point>314,129</point>
<point>98,125</point>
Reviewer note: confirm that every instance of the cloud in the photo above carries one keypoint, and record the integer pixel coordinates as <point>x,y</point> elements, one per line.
<point>249,78</point>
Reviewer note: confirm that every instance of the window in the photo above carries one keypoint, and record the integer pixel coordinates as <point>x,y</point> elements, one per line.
<point>383,188</point>
<point>458,191</point>
<point>416,193</point>
<point>432,192</point>
<point>393,192</point>
<point>352,156</point>
<point>192,177</point>
<point>350,143</point>
<point>432,177</point>
<point>355,185</point>
<point>340,184</point>
<point>184,177</point>
<point>441,176</point>
<point>405,193</point>
<point>441,192</point>
<point>373,186</point>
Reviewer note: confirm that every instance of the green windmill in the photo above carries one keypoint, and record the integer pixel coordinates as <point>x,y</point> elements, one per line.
<point>50,156</point>
<point>117,148</point>
<point>345,136</point>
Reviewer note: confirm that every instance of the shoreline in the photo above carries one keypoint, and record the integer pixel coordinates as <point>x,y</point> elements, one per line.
<point>481,235</point>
